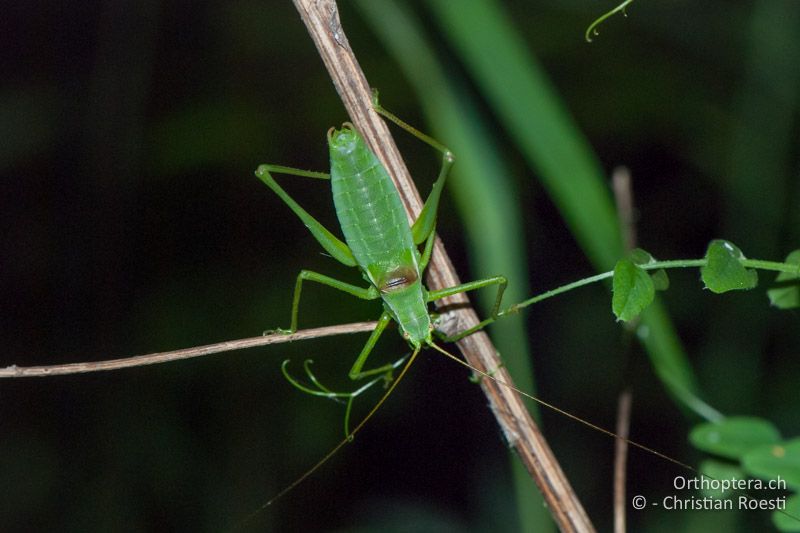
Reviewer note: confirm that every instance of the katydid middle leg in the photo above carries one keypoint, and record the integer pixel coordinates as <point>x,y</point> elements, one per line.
<point>501,283</point>
<point>365,293</point>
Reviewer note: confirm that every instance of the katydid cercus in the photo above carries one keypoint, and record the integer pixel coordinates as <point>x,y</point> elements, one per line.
<point>380,243</point>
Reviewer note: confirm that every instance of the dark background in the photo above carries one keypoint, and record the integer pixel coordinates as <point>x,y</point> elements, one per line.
<point>132,223</point>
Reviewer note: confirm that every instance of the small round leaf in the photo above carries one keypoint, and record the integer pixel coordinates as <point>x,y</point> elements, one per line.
<point>733,437</point>
<point>633,290</point>
<point>724,270</point>
<point>774,461</point>
<point>720,470</point>
<point>642,257</point>
<point>788,521</point>
<point>787,295</point>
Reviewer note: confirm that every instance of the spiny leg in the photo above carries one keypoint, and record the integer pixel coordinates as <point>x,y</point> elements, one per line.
<point>501,283</point>
<point>332,244</point>
<point>423,226</point>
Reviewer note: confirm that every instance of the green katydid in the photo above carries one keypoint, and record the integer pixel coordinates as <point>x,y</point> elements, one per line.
<point>380,242</point>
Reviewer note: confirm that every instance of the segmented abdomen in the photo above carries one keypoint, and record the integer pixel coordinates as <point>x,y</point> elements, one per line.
<point>368,207</point>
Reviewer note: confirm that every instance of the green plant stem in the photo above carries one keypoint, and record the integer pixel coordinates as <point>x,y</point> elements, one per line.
<point>592,29</point>
<point>557,291</point>
<point>789,268</point>
<point>656,265</point>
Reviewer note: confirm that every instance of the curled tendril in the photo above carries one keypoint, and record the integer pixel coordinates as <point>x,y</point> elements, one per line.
<point>592,29</point>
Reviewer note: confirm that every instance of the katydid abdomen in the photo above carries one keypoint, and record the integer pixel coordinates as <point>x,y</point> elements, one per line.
<point>377,232</point>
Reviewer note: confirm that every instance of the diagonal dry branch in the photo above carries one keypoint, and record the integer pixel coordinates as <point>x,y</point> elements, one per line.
<point>321,18</point>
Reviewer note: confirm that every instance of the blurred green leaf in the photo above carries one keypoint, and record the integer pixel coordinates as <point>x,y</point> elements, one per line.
<point>720,470</point>
<point>775,461</point>
<point>784,521</point>
<point>724,271</point>
<point>734,436</point>
<point>787,297</point>
<point>643,257</point>
<point>633,290</point>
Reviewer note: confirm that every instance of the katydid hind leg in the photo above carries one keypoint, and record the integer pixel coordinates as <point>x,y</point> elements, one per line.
<point>428,250</point>
<point>423,226</point>
<point>426,221</point>
<point>332,244</point>
<point>501,283</point>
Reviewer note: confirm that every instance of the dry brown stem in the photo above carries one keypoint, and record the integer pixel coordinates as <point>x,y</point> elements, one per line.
<point>321,18</point>
<point>15,371</point>
<point>621,460</point>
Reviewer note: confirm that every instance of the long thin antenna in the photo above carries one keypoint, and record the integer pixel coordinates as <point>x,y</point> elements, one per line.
<point>336,448</point>
<point>593,426</point>
<point>565,413</point>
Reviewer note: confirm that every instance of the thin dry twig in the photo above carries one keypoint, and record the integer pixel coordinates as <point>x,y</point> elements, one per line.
<point>623,194</point>
<point>621,459</point>
<point>322,21</point>
<point>15,371</point>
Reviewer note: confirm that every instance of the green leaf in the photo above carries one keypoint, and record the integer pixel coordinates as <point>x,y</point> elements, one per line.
<point>733,437</point>
<point>720,470</point>
<point>483,35</point>
<point>643,257</point>
<point>788,295</point>
<point>776,460</point>
<point>784,521</point>
<point>633,290</point>
<point>660,279</point>
<point>724,270</point>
